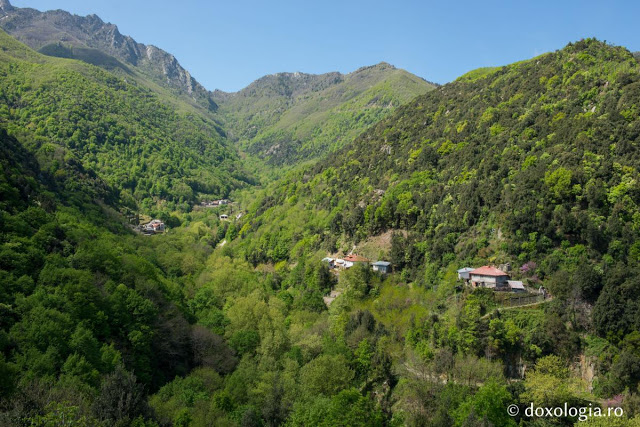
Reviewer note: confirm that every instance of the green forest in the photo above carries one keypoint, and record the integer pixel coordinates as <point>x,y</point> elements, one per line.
<point>222,319</point>
<point>287,118</point>
<point>138,144</point>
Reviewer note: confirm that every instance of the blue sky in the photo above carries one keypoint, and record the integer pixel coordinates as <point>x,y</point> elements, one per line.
<point>228,44</point>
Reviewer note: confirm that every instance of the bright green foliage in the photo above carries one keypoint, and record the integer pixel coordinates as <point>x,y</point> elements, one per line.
<point>549,385</point>
<point>325,375</point>
<point>122,132</point>
<point>289,118</point>
<point>79,300</point>
<point>532,164</point>
<point>348,408</point>
<point>487,405</point>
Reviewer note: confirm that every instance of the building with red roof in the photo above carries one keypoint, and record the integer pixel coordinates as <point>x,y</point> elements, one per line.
<point>355,258</point>
<point>489,277</point>
<point>351,260</point>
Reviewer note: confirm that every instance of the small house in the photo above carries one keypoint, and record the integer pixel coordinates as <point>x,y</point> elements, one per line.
<point>351,260</point>
<point>224,217</point>
<point>463,273</point>
<point>155,226</point>
<point>516,286</point>
<point>383,267</point>
<point>489,277</point>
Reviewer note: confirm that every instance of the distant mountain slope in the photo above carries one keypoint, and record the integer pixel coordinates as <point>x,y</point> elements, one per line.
<point>289,117</point>
<point>537,161</point>
<point>284,118</point>
<point>138,144</point>
<point>535,166</point>
<point>88,38</point>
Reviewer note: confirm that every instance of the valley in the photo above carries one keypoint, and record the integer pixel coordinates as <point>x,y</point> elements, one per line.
<point>172,255</point>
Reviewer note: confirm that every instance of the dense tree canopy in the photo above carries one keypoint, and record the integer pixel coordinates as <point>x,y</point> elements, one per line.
<point>223,321</point>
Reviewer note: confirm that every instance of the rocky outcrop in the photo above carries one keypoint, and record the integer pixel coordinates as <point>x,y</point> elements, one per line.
<point>5,6</point>
<point>39,29</point>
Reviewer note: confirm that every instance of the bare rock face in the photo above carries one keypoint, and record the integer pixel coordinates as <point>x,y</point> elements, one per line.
<point>41,29</point>
<point>5,6</point>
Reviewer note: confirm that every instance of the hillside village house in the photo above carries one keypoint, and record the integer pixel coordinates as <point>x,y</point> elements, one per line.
<point>463,273</point>
<point>214,203</point>
<point>489,277</point>
<point>155,226</point>
<point>351,260</point>
<point>383,267</point>
<point>330,262</point>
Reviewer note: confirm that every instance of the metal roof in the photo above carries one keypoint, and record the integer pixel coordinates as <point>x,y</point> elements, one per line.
<point>382,263</point>
<point>515,284</point>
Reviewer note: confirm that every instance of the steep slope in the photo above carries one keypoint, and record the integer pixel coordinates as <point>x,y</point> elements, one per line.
<point>133,140</point>
<point>522,165</point>
<point>289,117</point>
<point>87,315</point>
<point>88,38</point>
<point>284,118</point>
<point>533,164</point>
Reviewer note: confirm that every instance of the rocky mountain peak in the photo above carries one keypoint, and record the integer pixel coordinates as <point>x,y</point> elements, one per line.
<point>40,29</point>
<point>5,6</point>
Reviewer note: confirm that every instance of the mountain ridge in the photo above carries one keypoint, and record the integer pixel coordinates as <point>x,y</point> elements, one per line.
<point>331,108</point>
<point>425,151</point>
<point>146,148</point>
<point>39,29</point>
<point>287,117</point>
<point>222,318</point>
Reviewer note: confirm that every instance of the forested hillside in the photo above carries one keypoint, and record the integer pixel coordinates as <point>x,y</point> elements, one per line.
<point>514,165</point>
<point>533,164</point>
<point>89,39</point>
<point>221,320</point>
<point>283,119</point>
<point>95,318</point>
<point>91,317</point>
<point>143,147</point>
<point>291,117</point>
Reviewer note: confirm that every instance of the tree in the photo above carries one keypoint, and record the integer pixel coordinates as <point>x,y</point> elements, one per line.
<point>549,384</point>
<point>347,408</point>
<point>121,398</point>
<point>326,375</point>
<point>8,373</point>
<point>210,350</point>
<point>488,404</point>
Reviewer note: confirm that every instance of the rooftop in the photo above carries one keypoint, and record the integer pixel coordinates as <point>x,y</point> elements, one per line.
<point>488,271</point>
<point>515,284</point>
<point>355,258</point>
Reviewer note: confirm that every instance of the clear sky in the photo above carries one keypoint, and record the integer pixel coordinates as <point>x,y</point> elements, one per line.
<point>228,44</point>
